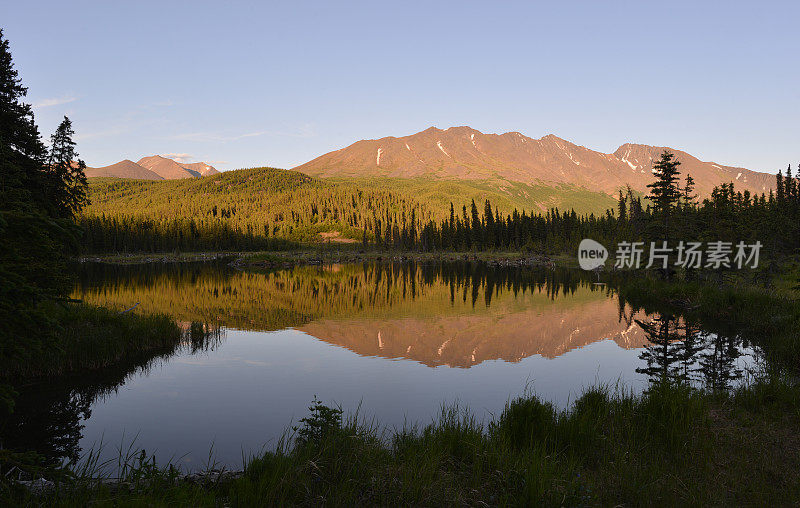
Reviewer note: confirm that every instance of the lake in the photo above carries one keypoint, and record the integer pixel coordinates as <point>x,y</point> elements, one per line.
<point>393,341</point>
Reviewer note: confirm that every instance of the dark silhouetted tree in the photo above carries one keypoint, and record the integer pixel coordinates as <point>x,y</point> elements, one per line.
<point>66,173</point>
<point>664,192</point>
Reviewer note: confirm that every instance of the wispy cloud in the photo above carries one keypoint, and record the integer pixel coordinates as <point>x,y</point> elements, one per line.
<point>185,158</point>
<point>138,119</point>
<point>55,101</point>
<point>114,131</point>
<point>207,137</point>
<point>179,157</point>
<point>304,131</point>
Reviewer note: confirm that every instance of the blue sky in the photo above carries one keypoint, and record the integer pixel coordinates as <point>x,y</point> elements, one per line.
<point>277,84</point>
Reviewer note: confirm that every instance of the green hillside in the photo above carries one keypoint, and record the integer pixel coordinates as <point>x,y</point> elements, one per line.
<point>247,206</point>
<point>506,195</point>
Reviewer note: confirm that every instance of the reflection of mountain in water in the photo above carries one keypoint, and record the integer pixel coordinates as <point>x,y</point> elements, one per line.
<point>456,314</point>
<point>469,339</point>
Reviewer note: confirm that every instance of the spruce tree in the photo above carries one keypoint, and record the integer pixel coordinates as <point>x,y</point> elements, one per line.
<point>450,240</point>
<point>32,238</point>
<point>488,218</point>
<point>689,198</point>
<point>622,207</point>
<point>67,184</point>
<point>22,153</point>
<point>664,192</point>
<point>476,227</point>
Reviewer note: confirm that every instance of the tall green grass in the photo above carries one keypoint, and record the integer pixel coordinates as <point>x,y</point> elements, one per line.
<point>668,446</point>
<point>82,337</point>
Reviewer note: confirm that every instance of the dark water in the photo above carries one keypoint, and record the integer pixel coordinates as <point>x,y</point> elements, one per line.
<point>397,341</point>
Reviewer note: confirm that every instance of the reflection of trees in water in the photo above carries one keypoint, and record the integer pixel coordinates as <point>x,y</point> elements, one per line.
<point>718,361</point>
<point>680,352</point>
<point>663,357</point>
<point>48,414</point>
<point>691,345</point>
<point>274,300</point>
<point>46,419</point>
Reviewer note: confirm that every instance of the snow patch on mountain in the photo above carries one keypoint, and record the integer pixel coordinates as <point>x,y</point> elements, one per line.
<point>631,165</point>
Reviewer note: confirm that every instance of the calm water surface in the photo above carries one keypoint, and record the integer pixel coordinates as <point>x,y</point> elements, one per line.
<point>395,340</point>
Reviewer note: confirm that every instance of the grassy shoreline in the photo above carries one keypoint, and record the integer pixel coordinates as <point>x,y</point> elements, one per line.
<point>667,446</point>
<point>329,254</point>
<point>87,338</point>
<point>73,340</point>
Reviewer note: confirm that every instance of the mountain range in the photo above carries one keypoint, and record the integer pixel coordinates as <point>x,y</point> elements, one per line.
<point>498,163</point>
<point>154,167</point>
<point>468,154</point>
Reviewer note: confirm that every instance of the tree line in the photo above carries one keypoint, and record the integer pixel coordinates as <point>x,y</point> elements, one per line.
<point>42,190</point>
<point>669,212</point>
<point>137,234</point>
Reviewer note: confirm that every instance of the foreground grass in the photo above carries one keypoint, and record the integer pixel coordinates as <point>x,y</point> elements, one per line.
<point>83,337</point>
<point>668,446</point>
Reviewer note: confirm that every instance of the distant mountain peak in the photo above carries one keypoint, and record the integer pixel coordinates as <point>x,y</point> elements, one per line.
<point>123,169</point>
<point>202,168</point>
<point>168,169</point>
<point>154,167</point>
<point>463,152</point>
